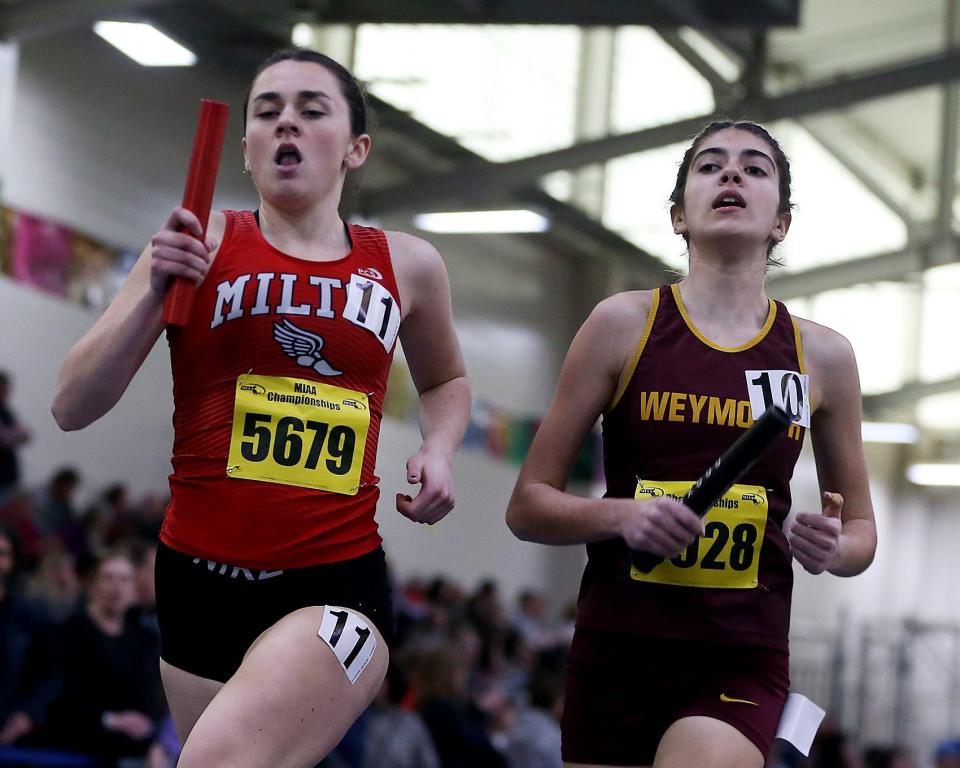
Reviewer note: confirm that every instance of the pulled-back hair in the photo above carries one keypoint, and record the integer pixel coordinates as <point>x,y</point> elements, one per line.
<point>350,87</point>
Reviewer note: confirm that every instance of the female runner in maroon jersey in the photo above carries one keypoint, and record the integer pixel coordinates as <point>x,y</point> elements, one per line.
<point>687,664</point>
<point>272,592</point>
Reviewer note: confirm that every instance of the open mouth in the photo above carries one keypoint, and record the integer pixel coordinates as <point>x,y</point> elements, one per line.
<point>287,155</point>
<point>729,200</point>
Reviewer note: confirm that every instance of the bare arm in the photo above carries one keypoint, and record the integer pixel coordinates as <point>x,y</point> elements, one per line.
<point>101,365</point>
<point>436,366</point>
<point>844,538</point>
<point>540,510</point>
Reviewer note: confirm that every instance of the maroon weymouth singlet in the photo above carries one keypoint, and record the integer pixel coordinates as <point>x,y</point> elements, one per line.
<point>278,384</point>
<point>687,401</point>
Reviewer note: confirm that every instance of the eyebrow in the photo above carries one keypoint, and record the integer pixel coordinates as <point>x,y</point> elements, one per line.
<point>722,151</point>
<point>301,95</point>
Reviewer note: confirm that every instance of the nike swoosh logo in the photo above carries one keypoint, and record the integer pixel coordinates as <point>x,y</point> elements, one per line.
<point>729,700</point>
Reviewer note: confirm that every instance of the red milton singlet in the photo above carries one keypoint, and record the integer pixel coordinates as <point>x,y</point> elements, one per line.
<point>278,383</point>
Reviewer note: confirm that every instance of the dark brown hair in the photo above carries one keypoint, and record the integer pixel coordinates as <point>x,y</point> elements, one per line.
<point>350,87</point>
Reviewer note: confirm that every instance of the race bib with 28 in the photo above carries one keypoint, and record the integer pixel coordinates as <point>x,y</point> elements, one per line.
<point>728,555</point>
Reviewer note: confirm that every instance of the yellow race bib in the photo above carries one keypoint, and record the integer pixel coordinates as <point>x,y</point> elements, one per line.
<point>729,554</point>
<point>298,432</point>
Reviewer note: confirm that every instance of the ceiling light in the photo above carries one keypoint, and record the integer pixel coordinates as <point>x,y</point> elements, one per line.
<point>889,432</point>
<point>482,222</point>
<point>302,34</point>
<point>145,44</point>
<point>934,474</point>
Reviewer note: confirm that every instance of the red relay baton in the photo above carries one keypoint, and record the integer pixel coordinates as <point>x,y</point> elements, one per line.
<point>198,197</point>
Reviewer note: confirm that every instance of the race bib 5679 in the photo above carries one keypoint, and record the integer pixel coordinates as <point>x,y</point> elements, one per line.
<point>298,432</point>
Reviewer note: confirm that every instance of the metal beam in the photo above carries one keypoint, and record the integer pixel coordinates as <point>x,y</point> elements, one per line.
<point>949,126</point>
<point>908,394</point>
<point>584,13</point>
<point>723,91</point>
<point>856,170</point>
<point>474,180</point>
<point>33,19</point>
<point>893,265</point>
<point>573,233</point>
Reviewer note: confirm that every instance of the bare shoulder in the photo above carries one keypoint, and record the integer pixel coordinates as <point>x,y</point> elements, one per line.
<point>614,328</point>
<point>832,365</point>
<point>623,314</point>
<point>411,254</point>
<point>823,347</point>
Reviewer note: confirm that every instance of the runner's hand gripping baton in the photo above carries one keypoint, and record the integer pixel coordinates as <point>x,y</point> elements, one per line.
<point>725,471</point>
<point>198,197</point>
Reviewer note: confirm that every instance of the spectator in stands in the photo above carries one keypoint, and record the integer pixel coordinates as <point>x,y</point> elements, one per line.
<point>534,739</point>
<point>12,436</point>
<point>20,513</point>
<point>947,754</point>
<point>57,516</point>
<point>397,737</point>
<point>54,586</point>
<point>886,757</point>
<point>144,556</point>
<point>833,748</point>
<point>111,701</point>
<point>458,729</point>
<point>28,683</point>
<point>529,618</point>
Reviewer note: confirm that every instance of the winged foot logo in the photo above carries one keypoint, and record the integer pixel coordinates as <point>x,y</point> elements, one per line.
<point>304,347</point>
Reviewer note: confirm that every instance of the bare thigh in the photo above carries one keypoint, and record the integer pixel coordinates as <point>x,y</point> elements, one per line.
<point>288,704</point>
<point>707,743</point>
<point>187,696</point>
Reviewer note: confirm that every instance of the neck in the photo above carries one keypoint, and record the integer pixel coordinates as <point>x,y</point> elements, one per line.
<point>727,287</point>
<point>316,227</point>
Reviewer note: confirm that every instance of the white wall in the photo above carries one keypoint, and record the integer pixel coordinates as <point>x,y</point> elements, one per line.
<point>131,443</point>
<point>103,145</point>
<point>9,54</point>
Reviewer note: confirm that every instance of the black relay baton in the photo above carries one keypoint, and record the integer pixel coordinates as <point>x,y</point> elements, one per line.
<point>725,471</point>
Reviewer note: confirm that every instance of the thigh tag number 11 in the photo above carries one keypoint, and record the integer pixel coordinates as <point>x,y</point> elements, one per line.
<point>350,639</point>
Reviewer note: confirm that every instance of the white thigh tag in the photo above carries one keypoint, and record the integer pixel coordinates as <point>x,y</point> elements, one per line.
<point>799,722</point>
<point>349,637</point>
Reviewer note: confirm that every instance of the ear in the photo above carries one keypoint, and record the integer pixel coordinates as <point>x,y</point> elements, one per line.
<point>243,149</point>
<point>679,222</point>
<point>357,154</point>
<point>781,226</point>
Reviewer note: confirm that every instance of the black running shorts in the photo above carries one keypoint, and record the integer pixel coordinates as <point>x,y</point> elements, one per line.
<point>210,613</point>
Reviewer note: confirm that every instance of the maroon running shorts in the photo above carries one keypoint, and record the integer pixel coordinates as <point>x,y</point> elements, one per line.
<point>624,691</point>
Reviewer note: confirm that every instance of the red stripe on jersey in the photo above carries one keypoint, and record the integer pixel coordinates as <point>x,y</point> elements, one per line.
<point>251,289</point>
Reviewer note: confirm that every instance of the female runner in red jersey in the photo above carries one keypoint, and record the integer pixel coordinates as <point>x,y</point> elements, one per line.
<point>687,664</point>
<point>272,592</point>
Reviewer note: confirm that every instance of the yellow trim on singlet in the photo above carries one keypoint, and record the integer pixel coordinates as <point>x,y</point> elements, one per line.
<point>800,361</point>
<point>771,316</point>
<point>628,375</point>
<point>799,340</point>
